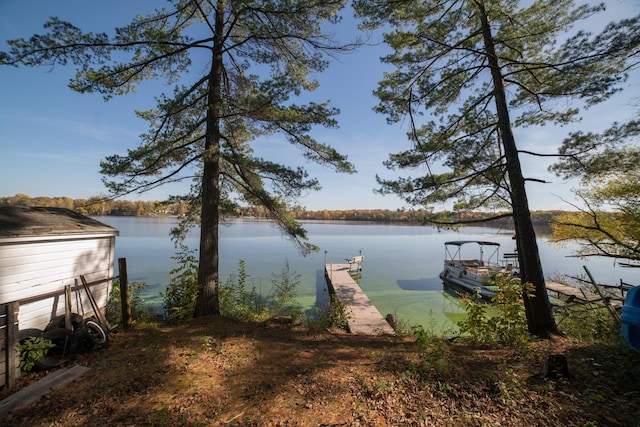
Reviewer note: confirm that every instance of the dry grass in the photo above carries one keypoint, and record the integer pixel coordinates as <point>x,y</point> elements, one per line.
<point>220,372</point>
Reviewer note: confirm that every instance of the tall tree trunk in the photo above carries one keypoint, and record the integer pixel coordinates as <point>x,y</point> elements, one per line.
<point>207,301</point>
<point>540,318</point>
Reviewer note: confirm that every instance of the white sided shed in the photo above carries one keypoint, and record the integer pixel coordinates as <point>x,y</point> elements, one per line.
<point>44,249</point>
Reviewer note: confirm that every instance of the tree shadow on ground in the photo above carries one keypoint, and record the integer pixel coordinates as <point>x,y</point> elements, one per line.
<point>217,371</point>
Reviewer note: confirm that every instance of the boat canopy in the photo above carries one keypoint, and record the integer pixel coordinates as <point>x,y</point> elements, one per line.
<point>453,250</point>
<point>463,242</point>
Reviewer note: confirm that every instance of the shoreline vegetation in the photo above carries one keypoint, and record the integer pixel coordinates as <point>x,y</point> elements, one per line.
<point>99,206</point>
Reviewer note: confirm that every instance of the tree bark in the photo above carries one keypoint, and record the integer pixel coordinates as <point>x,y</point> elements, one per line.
<point>207,300</point>
<point>540,318</point>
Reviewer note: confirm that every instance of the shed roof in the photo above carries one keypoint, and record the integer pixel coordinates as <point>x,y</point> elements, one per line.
<point>23,221</point>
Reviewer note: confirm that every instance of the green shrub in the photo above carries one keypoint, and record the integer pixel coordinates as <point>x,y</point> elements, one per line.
<point>601,327</point>
<point>432,350</point>
<point>234,298</point>
<point>504,322</point>
<point>572,318</point>
<point>139,310</point>
<point>179,300</point>
<point>249,304</point>
<point>476,325</point>
<point>332,315</point>
<point>337,316</point>
<point>403,328</point>
<point>32,350</point>
<point>283,299</point>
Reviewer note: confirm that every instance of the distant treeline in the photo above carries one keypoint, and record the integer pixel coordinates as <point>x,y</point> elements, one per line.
<point>99,206</point>
<point>417,216</point>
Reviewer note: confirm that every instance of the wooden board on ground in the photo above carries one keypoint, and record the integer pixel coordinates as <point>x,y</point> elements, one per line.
<point>35,391</point>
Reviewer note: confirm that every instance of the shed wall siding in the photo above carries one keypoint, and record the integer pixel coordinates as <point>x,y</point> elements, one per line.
<point>32,268</point>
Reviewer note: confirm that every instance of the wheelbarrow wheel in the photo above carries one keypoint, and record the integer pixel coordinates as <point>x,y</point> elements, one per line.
<point>95,335</point>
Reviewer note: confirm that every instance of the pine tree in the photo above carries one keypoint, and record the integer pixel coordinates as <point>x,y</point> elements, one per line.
<point>237,69</point>
<point>480,68</point>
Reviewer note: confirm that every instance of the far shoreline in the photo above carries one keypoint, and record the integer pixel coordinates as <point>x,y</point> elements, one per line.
<point>100,206</point>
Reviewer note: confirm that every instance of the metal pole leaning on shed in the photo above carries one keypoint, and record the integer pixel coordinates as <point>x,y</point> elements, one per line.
<point>124,293</point>
<point>94,305</point>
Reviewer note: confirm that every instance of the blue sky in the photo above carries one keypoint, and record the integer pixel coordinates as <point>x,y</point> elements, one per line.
<point>52,138</point>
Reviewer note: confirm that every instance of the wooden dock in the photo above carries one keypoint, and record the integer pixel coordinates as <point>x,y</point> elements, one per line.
<point>574,294</point>
<point>363,317</point>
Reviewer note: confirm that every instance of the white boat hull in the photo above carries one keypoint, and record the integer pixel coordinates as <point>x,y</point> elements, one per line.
<point>468,287</point>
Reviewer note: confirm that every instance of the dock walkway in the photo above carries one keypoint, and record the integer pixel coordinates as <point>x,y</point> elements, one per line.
<point>577,295</point>
<point>363,317</point>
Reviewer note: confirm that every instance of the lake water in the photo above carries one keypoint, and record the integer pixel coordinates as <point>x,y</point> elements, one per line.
<point>399,273</point>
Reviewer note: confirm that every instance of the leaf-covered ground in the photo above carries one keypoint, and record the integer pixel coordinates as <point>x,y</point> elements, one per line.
<point>215,371</point>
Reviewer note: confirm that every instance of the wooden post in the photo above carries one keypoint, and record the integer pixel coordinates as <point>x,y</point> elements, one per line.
<point>606,301</point>
<point>67,308</point>
<point>124,293</point>
<point>6,352</point>
<point>13,353</point>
